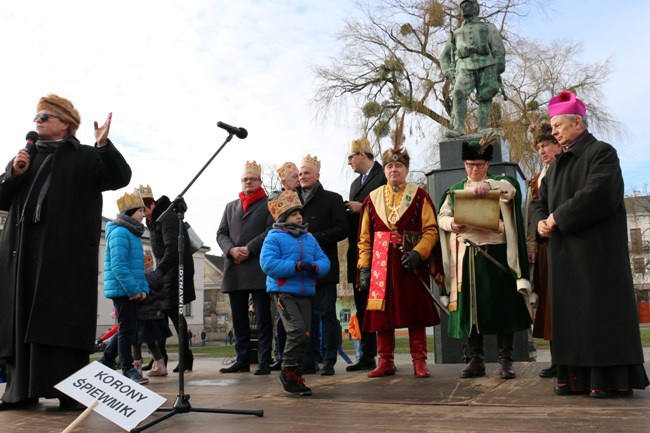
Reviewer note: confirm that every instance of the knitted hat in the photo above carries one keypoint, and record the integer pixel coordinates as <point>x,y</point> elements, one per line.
<point>61,108</point>
<point>566,103</point>
<point>311,161</point>
<point>129,201</point>
<point>360,145</point>
<point>252,168</point>
<point>283,204</point>
<point>286,168</point>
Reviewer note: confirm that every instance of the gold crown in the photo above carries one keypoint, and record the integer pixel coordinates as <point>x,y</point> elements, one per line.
<point>129,201</point>
<point>286,201</point>
<point>361,145</point>
<point>144,191</point>
<point>287,167</point>
<point>253,167</point>
<point>311,161</point>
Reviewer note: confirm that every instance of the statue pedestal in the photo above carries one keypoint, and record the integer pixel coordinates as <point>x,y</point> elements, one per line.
<point>449,350</point>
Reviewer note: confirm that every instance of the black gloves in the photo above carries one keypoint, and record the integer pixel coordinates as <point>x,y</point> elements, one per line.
<point>411,259</point>
<point>364,278</point>
<point>310,268</point>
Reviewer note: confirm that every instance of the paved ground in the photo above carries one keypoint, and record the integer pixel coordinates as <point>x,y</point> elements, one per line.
<point>350,402</point>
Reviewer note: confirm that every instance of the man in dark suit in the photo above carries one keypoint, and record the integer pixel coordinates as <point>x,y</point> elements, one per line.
<point>324,211</point>
<point>371,176</point>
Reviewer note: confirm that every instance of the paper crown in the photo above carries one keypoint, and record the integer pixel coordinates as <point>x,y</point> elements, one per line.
<point>62,108</point>
<point>566,103</point>
<point>281,205</point>
<point>311,161</point>
<point>360,145</point>
<point>129,201</point>
<point>286,168</point>
<point>144,191</point>
<point>252,167</point>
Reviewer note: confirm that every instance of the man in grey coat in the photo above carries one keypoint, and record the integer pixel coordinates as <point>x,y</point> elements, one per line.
<point>240,236</point>
<point>580,209</point>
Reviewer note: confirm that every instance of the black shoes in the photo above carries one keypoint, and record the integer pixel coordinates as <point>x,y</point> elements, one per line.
<point>276,365</point>
<point>18,405</point>
<point>475,368</point>
<point>189,363</point>
<point>262,369</point>
<point>293,383</point>
<point>310,369</point>
<point>236,367</point>
<point>364,363</point>
<point>611,394</point>
<point>70,404</point>
<point>328,370</point>
<point>565,390</point>
<point>550,371</point>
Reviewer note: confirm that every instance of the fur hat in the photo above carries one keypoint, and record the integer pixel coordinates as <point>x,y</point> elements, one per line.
<point>129,201</point>
<point>311,161</point>
<point>542,131</point>
<point>61,108</point>
<point>252,168</point>
<point>282,204</point>
<point>286,168</point>
<point>566,103</point>
<point>397,153</point>
<point>482,149</point>
<point>360,145</point>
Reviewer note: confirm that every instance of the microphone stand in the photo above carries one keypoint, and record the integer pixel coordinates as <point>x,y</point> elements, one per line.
<point>182,403</point>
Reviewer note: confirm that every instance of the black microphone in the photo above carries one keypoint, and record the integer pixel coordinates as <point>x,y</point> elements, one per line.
<point>31,137</point>
<point>239,132</point>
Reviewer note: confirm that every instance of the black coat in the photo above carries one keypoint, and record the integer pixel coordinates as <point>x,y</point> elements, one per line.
<point>237,230</point>
<point>164,246</point>
<point>593,305</point>
<point>325,212</point>
<point>359,192</point>
<point>64,267</point>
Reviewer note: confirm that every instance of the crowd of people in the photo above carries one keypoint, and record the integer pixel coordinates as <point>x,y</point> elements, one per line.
<point>557,261</point>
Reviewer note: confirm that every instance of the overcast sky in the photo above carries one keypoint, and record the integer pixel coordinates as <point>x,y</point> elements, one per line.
<point>169,70</point>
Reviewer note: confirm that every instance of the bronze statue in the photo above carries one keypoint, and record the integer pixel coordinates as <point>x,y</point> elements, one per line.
<point>473,59</point>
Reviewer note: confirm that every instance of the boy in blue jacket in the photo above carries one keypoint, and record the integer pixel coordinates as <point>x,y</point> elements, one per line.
<point>292,261</point>
<point>124,279</point>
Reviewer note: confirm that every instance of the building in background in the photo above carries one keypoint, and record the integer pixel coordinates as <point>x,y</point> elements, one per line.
<point>638,224</point>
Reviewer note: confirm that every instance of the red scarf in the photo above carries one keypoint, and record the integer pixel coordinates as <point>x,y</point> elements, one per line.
<point>247,200</point>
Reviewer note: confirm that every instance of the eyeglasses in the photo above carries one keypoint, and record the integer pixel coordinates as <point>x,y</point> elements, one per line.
<point>44,117</point>
<point>478,165</point>
<point>249,179</point>
<point>352,156</point>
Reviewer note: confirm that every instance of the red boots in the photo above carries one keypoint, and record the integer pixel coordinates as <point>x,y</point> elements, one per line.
<point>418,345</point>
<point>385,348</point>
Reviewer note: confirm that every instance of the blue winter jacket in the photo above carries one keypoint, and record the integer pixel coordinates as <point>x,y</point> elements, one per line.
<point>280,253</point>
<point>123,263</point>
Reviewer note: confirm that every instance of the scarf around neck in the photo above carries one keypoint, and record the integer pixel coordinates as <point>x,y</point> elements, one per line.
<point>247,200</point>
<point>132,225</point>
<point>293,228</point>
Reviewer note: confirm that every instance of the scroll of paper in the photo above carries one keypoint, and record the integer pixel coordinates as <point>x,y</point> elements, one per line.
<point>474,211</point>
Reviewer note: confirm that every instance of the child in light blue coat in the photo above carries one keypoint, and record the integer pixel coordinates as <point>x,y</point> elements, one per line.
<point>292,261</point>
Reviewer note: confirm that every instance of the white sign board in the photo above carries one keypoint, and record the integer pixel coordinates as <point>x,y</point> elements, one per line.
<point>120,399</point>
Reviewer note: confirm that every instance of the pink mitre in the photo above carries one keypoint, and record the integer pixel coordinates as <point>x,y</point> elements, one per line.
<point>566,103</point>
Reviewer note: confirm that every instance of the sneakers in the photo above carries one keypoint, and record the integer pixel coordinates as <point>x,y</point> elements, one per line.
<point>293,383</point>
<point>133,374</point>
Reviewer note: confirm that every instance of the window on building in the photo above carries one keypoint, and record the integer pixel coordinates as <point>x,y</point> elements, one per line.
<point>636,239</point>
<point>187,310</point>
<point>639,265</point>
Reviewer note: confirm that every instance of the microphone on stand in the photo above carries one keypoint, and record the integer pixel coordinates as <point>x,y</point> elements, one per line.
<point>239,132</point>
<point>31,137</point>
